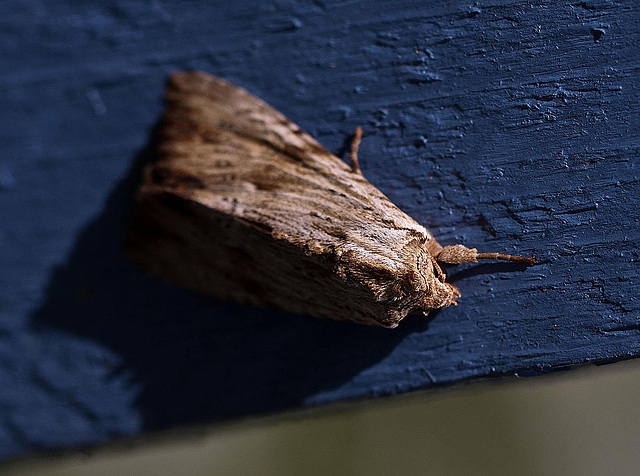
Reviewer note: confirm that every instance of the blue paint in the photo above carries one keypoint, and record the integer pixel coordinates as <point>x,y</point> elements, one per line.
<point>505,126</point>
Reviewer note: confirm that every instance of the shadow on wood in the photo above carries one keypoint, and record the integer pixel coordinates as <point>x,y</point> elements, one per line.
<point>193,358</point>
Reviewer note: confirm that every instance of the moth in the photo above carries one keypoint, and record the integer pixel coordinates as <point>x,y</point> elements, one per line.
<point>241,204</point>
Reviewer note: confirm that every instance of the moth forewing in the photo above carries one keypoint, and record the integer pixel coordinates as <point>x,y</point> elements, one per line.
<point>243,205</point>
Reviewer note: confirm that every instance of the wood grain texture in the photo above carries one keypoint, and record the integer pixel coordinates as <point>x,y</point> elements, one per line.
<point>507,125</point>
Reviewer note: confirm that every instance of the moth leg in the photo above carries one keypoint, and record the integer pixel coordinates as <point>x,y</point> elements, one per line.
<point>357,137</point>
<point>438,270</point>
<point>442,278</point>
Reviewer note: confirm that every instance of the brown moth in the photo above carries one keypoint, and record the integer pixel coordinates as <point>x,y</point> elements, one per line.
<point>243,205</point>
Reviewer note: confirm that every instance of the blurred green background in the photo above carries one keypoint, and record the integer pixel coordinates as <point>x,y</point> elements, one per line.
<point>584,422</point>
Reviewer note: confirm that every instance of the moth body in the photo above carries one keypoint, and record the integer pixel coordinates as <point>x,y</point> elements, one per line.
<point>243,205</point>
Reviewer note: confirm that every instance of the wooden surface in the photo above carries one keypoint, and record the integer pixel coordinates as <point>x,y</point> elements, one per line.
<point>503,125</point>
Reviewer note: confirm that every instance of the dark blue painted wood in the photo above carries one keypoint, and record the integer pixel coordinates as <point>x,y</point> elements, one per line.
<point>507,126</point>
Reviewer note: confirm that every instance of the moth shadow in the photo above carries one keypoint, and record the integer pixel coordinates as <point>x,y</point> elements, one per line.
<point>193,359</point>
<point>472,270</point>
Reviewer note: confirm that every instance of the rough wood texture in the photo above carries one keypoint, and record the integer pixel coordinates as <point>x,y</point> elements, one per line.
<point>509,126</point>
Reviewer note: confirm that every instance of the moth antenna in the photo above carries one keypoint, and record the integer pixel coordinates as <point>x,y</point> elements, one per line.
<point>355,164</point>
<point>530,261</point>
<point>458,254</point>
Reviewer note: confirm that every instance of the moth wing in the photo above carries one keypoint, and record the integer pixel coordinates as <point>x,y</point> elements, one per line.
<point>244,162</point>
<point>213,104</point>
<point>226,148</point>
